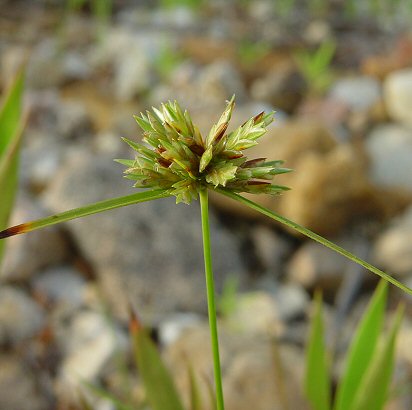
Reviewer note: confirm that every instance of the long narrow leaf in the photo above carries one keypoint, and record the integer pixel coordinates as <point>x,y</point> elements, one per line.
<point>373,392</point>
<point>10,112</point>
<point>160,390</point>
<point>84,211</point>
<point>317,383</point>
<point>315,237</point>
<point>195,396</point>
<point>362,350</point>
<point>10,135</point>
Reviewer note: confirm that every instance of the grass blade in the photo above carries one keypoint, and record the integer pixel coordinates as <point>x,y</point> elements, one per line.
<point>10,135</point>
<point>195,397</point>
<point>362,350</point>
<point>10,112</point>
<point>159,387</point>
<point>317,383</point>
<point>304,231</point>
<point>373,392</point>
<point>95,208</point>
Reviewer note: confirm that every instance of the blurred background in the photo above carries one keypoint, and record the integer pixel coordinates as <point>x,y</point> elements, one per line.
<point>339,76</point>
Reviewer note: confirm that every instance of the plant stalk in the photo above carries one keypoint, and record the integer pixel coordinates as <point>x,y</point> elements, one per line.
<point>210,288</point>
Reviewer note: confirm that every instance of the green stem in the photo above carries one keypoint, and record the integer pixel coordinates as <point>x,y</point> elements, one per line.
<point>315,237</point>
<point>211,297</point>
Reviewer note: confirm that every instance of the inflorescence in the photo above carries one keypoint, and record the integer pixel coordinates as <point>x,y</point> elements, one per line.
<point>176,157</point>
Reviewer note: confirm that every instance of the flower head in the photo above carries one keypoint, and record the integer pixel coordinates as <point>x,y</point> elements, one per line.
<point>176,157</point>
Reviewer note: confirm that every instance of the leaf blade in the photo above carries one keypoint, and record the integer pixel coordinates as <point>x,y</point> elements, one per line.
<point>314,236</point>
<point>362,349</point>
<point>10,112</point>
<point>11,127</point>
<point>159,386</point>
<point>374,389</point>
<point>195,396</point>
<point>317,384</point>
<point>91,209</point>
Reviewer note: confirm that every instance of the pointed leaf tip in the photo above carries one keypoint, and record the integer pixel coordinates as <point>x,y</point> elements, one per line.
<point>15,230</point>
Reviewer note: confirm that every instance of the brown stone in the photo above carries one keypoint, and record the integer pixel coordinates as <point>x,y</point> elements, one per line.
<point>253,378</point>
<point>328,185</point>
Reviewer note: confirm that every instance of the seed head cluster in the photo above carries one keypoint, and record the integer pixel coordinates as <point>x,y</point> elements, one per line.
<point>177,158</point>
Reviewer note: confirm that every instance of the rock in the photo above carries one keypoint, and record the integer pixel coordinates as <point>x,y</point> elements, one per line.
<point>282,87</point>
<point>40,159</point>
<point>261,11</point>
<point>317,32</point>
<point>291,301</point>
<point>45,68</point>
<point>250,380</point>
<point>270,249</point>
<point>28,254</point>
<point>390,152</point>
<point>289,142</point>
<point>404,341</point>
<point>133,74</point>
<point>398,95</point>
<point>172,326</point>
<point>393,58</point>
<point>207,49</point>
<point>61,285</point>
<point>358,93</point>
<point>331,112</point>
<point>75,66</point>
<point>268,308</point>
<point>89,343</point>
<point>18,389</point>
<point>255,313</point>
<point>130,55</point>
<point>178,17</point>
<point>108,143</point>
<point>20,316</point>
<point>218,81</point>
<point>73,120</point>
<point>392,250</point>
<point>329,191</point>
<point>313,266</point>
<point>149,253</point>
<point>327,179</point>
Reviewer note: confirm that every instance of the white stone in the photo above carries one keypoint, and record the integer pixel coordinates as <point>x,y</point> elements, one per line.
<point>133,74</point>
<point>20,316</point>
<point>63,285</point>
<point>173,326</point>
<point>358,93</point>
<point>90,343</point>
<point>219,81</point>
<point>393,248</point>
<point>255,313</point>
<point>315,265</point>
<point>390,151</point>
<point>398,95</point>
<point>291,301</point>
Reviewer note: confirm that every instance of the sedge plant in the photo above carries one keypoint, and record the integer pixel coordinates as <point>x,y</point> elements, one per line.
<point>176,160</point>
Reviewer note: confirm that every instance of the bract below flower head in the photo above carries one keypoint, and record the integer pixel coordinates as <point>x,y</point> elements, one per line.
<point>175,156</point>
